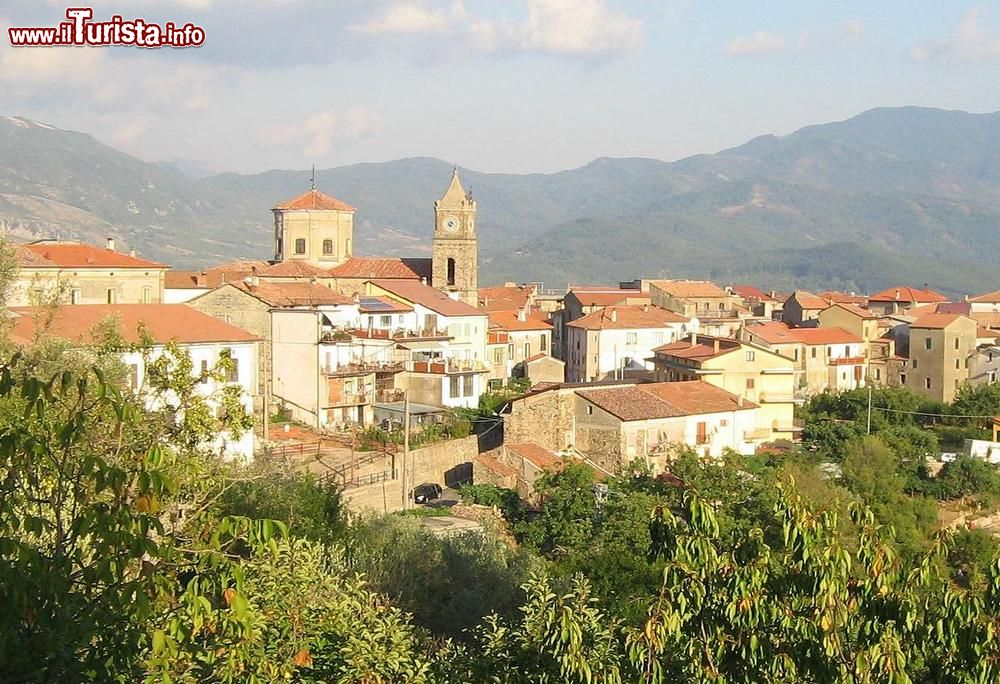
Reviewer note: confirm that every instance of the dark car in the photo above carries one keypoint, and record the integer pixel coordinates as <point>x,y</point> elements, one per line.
<point>425,492</point>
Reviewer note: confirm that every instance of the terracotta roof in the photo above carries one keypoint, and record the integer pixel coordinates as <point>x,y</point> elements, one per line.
<point>751,292</point>
<point>505,298</point>
<point>986,332</point>
<point>843,298</point>
<point>508,320</point>
<point>990,319</point>
<point>164,322</point>
<point>214,276</point>
<point>774,332</point>
<point>807,300</point>
<point>537,455</point>
<point>935,321</point>
<point>380,304</point>
<point>295,268</point>
<point>314,199</point>
<point>47,253</point>
<point>689,288</point>
<point>703,348</point>
<point>824,336</point>
<point>607,297</point>
<point>294,293</point>
<point>907,294</point>
<point>371,268</point>
<point>664,400</point>
<point>539,357</point>
<point>964,308</point>
<point>415,292</point>
<point>988,298</point>
<point>856,310</point>
<point>492,464</point>
<point>627,317</point>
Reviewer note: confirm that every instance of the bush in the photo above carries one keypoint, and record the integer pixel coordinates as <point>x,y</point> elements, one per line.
<point>507,500</point>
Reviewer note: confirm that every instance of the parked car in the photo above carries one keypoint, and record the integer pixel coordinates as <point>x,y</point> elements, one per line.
<point>425,492</point>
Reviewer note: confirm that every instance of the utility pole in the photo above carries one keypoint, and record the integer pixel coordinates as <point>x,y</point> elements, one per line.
<point>406,445</point>
<point>869,409</point>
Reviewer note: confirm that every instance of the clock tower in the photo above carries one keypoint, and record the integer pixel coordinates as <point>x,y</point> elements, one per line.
<point>456,257</point>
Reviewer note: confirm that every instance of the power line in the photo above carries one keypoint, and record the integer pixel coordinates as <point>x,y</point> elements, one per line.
<point>932,415</point>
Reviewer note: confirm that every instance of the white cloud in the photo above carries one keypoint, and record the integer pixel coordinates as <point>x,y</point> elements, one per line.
<point>317,136</point>
<point>562,27</point>
<point>970,42</point>
<point>760,43</point>
<point>404,19</point>
<point>579,27</point>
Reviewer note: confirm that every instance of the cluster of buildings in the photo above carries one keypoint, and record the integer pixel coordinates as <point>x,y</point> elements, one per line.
<point>615,373</point>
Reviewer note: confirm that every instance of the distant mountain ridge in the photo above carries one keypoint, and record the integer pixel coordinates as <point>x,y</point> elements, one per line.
<point>891,195</point>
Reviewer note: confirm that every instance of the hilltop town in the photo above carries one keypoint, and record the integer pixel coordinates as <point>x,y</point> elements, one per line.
<point>337,355</point>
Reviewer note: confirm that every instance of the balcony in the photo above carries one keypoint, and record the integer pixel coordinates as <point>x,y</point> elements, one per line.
<point>355,369</point>
<point>447,366</point>
<point>349,334</point>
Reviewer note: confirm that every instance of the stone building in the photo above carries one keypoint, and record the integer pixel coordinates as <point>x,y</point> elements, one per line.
<point>456,252</point>
<point>939,349</point>
<point>315,228</point>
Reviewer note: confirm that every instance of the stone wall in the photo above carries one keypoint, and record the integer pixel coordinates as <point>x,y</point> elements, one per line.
<point>545,418</point>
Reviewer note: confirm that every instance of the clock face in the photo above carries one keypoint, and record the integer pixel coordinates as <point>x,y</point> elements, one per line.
<point>451,224</point>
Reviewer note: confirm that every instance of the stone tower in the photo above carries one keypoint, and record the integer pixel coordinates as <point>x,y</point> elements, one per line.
<point>315,228</point>
<point>456,256</point>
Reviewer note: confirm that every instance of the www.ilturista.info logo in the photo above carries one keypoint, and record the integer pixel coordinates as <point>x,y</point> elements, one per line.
<point>80,30</point>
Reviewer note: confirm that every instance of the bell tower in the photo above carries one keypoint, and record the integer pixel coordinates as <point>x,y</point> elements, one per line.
<point>456,251</point>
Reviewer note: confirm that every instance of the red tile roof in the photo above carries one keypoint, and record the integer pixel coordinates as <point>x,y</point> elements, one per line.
<point>807,300</point>
<point>608,297</point>
<point>664,400</point>
<point>935,321</point>
<point>508,320</point>
<point>628,317</point>
<point>495,466</point>
<point>415,292</point>
<point>856,310</point>
<point>703,348</point>
<point>988,298</point>
<point>751,292</point>
<point>295,268</point>
<point>539,456</point>
<point>50,254</point>
<point>294,293</point>
<point>689,288</point>
<point>907,294</point>
<point>843,298</point>
<point>990,319</point>
<point>811,336</point>
<point>314,199</point>
<point>371,268</point>
<point>164,322</point>
<point>774,332</point>
<point>214,276</point>
<point>505,298</point>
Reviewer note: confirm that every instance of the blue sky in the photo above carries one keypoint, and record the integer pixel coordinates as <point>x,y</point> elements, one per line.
<point>512,86</point>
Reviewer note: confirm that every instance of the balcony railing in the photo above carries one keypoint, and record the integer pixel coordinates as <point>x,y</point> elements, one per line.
<point>348,369</point>
<point>348,334</point>
<point>447,366</point>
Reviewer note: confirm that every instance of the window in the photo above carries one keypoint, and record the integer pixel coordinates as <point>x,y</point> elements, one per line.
<point>751,355</point>
<point>795,354</point>
<point>300,245</point>
<point>454,386</point>
<point>204,372</point>
<point>233,374</point>
<point>751,382</point>
<point>385,321</point>
<point>956,383</point>
<point>133,377</point>
<point>510,350</point>
<point>957,364</point>
<point>702,430</point>
<point>111,296</point>
<point>993,376</point>
<point>590,410</point>
<point>956,343</point>
<point>527,350</point>
<point>74,298</point>
<point>468,384</point>
<point>147,295</point>
<point>724,422</point>
<point>706,306</point>
<point>847,350</point>
<point>543,343</point>
<point>829,351</point>
<point>927,383</point>
<point>814,352</point>
<point>878,373</point>
<point>722,306</point>
<point>658,337</point>
<point>928,343</point>
<point>498,356</point>
<point>902,378</point>
<point>451,271</point>
<point>631,338</point>
<point>327,247</point>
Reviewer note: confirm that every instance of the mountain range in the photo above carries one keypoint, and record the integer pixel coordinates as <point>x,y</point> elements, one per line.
<point>893,195</point>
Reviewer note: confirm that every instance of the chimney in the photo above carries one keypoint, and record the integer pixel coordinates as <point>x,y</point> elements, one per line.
<point>739,400</point>
<point>521,316</point>
<point>254,278</point>
<point>645,307</point>
<point>614,315</point>
<point>131,252</point>
<point>897,294</point>
<point>110,243</point>
<point>356,297</point>
<point>202,280</point>
<point>715,345</point>
<point>423,280</point>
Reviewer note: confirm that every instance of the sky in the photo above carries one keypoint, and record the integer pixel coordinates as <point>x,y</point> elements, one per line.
<point>512,86</point>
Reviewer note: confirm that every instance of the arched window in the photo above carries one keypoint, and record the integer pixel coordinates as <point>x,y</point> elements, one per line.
<point>451,271</point>
<point>327,247</point>
<point>300,245</point>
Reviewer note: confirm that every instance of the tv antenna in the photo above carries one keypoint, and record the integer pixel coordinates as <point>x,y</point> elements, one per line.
<point>312,179</point>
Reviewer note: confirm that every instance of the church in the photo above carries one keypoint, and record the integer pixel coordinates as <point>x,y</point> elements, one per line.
<point>314,236</point>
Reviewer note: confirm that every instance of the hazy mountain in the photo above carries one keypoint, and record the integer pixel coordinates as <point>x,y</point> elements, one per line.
<point>891,195</point>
